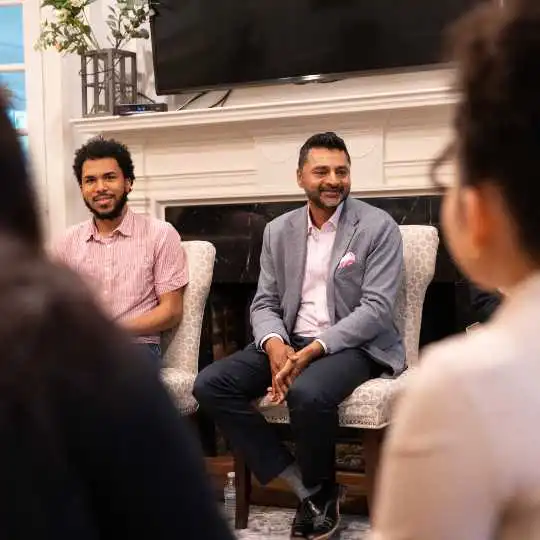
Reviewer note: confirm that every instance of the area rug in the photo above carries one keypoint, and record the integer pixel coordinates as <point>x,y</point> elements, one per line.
<point>275,524</point>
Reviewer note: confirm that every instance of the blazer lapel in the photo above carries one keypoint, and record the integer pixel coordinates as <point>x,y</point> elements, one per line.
<point>344,234</point>
<point>295,261</point>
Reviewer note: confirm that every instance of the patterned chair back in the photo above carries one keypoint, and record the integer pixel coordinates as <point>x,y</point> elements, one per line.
<point>181,344</point>
<point>420,244</point>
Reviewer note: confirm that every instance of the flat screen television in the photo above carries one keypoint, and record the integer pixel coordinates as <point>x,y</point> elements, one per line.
<point>207,44</point>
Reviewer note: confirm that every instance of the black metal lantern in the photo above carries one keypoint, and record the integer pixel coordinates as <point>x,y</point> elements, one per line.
<point>108,78</point>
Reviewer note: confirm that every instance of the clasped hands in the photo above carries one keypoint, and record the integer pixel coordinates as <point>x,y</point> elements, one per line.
<point>286,364</point>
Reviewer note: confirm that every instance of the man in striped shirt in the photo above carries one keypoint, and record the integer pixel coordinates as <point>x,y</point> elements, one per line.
<point>135,264</point>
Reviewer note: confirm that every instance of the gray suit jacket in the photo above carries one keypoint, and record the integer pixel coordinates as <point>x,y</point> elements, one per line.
<point>361,297</point>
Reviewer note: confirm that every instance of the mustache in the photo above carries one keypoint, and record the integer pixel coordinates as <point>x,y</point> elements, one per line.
<point>339,189</point>
<point>114,213</point>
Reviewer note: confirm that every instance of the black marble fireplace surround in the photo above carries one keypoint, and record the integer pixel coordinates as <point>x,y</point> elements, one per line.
<point>236,231</point>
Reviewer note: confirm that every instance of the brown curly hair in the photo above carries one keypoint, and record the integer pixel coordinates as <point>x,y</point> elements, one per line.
<point>497,119</point>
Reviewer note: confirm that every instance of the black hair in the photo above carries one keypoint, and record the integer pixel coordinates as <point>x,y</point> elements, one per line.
<point>100,148</point>
<point>328,140</point>
<point>497,119</point>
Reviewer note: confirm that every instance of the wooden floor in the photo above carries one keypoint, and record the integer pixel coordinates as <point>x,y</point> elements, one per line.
<point>278,495</point>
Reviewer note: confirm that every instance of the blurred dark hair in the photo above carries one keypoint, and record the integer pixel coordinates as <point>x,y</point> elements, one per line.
<point>328,140</point>
<point>43,299</point>
<point>18,208</point>
<point>497,120</point>
<point>62,363</point>
<point>101,148</point>
<point>40,298</point>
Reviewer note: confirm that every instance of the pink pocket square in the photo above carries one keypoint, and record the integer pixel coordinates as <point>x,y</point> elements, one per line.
<point>347,259</point>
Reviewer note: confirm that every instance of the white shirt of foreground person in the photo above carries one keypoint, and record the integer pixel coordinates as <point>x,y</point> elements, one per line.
<point>462,460</point>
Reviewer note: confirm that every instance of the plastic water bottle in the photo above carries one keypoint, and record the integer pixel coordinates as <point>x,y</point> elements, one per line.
<point>229,498</point>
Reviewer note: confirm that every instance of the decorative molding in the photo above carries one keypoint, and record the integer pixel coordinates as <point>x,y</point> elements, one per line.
<point>139,204</point>
<point>405,174</point>
<point>209,178</point>
<point>247,153</point>
<point>333,106</point>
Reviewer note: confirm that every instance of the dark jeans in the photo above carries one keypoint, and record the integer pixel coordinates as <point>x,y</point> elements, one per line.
<point>227,388</point>
<point>151,351</point>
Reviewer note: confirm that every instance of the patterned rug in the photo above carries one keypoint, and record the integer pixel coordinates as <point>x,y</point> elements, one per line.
<point>275,523</point>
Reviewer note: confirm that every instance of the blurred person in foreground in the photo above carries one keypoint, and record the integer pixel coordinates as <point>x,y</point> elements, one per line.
<point>462,458</point>
<point>91,445</point>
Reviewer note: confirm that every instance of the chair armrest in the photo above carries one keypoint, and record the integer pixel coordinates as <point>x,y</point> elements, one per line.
<point>180,382</point>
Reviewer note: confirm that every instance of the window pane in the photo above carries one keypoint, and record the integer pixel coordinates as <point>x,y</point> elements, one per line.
<point>11,35</point>
<point>15,84</point>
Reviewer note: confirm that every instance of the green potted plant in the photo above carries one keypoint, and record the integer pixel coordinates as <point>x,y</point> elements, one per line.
<point>108,74</point>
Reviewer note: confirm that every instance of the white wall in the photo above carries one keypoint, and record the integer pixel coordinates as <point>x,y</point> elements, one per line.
<point>53,98</point>
<point>62,98</point>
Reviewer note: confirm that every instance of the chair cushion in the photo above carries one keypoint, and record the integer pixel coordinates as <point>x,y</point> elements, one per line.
<point>368,407</point>
<point>180,385</point>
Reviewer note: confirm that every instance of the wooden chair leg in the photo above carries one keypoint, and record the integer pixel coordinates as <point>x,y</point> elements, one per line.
<point>373,439</point>
<point>243,492</point>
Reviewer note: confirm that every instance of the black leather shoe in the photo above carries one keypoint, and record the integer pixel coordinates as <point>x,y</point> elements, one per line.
<point>303,523</point>
<point>327,522</point>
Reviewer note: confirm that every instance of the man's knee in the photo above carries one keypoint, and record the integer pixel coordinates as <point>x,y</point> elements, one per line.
<point>304,397</point>
<point>207,384</point>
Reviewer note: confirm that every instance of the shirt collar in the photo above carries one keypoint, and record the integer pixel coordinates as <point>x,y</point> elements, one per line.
<point>125,228</point>
<point>333,221</point>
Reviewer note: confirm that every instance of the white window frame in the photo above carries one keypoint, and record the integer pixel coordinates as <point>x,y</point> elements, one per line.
<point>15,68</point>
<point>52,101</point>
<point>33,70</point>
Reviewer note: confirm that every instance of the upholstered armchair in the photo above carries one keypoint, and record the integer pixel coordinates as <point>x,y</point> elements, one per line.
<point>369,407</point>
<point>181,344</point>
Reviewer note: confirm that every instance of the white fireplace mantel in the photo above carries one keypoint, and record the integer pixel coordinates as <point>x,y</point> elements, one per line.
<point>338,106</point>
<point>248,152</point>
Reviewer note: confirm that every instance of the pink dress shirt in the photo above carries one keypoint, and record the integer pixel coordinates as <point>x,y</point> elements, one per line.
<point>130,269</point>
<point>313,315</point>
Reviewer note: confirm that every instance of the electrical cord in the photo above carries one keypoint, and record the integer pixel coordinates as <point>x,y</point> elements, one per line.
<point>222,100</point>
<point>192,99</point>
<point>219,103</point>
<point>140,94</point>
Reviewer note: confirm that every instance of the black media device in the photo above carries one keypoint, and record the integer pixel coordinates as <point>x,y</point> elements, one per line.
<point>128,109</point>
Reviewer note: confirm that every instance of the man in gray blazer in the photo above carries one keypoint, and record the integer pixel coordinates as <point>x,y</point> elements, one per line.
<point>323,323</point>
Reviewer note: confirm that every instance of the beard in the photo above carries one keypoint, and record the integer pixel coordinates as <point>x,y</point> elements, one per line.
<point>315,196</point>
<point>114,213</point>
